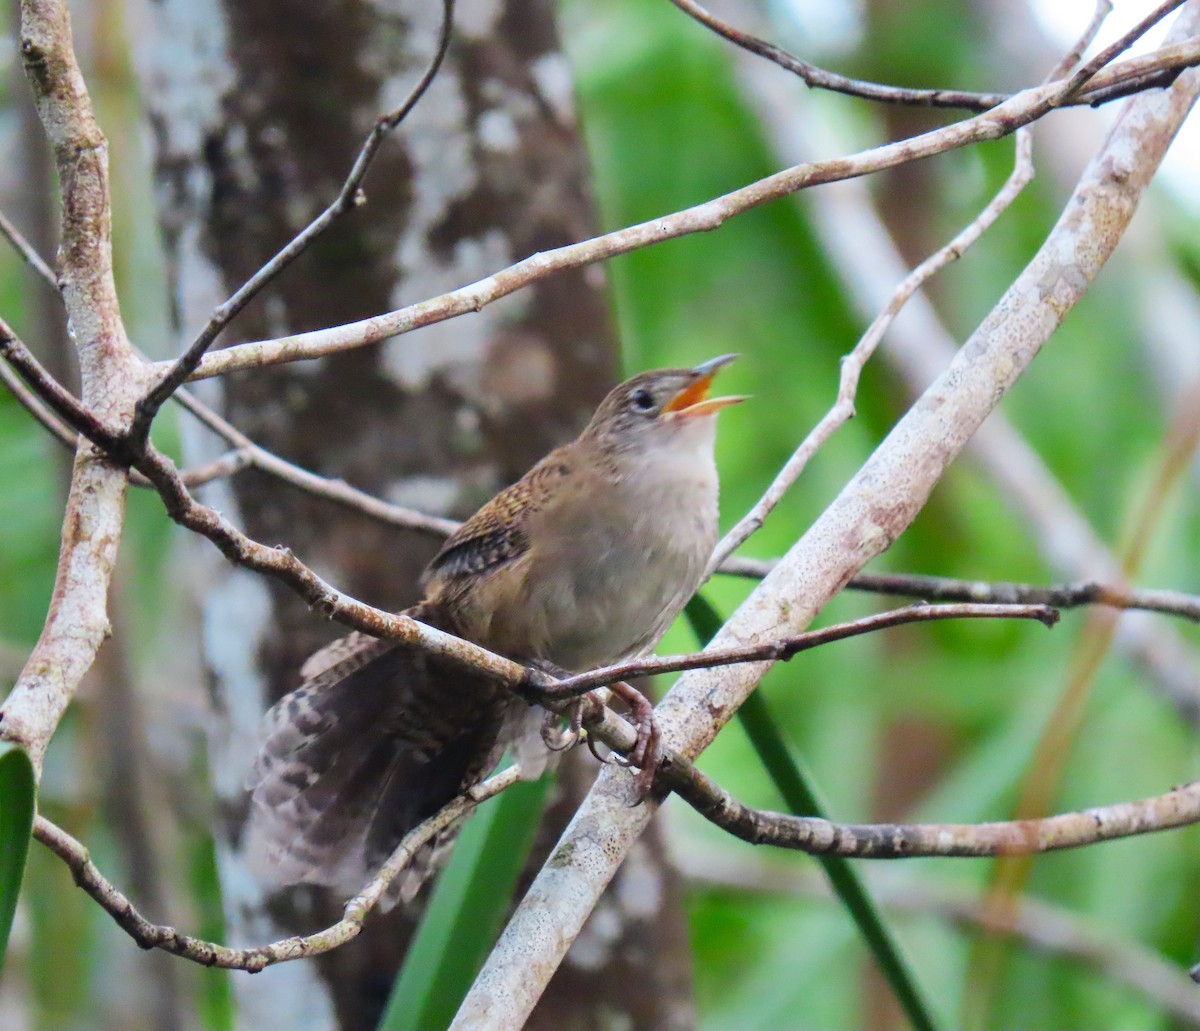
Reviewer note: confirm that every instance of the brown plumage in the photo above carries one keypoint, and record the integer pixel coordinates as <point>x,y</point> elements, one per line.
<point>585,560</point>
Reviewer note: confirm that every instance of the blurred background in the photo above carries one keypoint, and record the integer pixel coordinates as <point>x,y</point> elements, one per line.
<point>1092,454</point>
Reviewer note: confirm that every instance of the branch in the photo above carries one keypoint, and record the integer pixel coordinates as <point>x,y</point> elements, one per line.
<point>337,491</point>
<point>920,347</point>
<point>853,364</point>
<point>1109,88</point>
<point>843,409</point>
<point>1179,807</point>
<point>159,936</point>
<point>23,247</point>
<point>29,399</point>
<point>783,649</point>
<point>878,503</point>
<point>999,592</point>
<point>112,376</point>
<point>1019,110</point>
<point>348,198</point>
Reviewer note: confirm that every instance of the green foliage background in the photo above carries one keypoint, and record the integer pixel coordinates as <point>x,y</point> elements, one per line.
<point>668,125</point>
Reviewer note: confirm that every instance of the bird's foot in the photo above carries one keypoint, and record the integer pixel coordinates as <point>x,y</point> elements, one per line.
<point>646,754</point>
<point>558,738</point>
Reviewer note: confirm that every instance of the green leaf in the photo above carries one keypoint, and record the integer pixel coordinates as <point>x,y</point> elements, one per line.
<point>464,915</point>
<point>17,794</point>
<point>795,784</point>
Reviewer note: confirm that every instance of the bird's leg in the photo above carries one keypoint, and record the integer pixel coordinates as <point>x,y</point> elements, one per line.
<point>645,754</point>
<point>554,739</point>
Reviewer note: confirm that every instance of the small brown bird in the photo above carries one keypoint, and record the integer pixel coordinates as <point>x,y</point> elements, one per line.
<point>584,561</point>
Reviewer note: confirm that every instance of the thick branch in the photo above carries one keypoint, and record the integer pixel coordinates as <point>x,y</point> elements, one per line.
<point>111,375</point>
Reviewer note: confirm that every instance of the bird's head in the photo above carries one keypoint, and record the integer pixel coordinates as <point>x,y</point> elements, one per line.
<point>660,408</point>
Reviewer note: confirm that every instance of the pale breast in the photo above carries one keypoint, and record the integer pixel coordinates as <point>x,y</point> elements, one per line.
<point>608,577</point>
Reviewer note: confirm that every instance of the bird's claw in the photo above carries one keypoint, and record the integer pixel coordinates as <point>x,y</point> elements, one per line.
<point>569,736</point>
<point>646,753</point>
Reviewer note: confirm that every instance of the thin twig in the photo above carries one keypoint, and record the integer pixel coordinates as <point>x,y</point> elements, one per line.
<point>843,409</point>
<point>318,486</point>
<point>349,197</point>
<point>61,401</point>
<point>27,251</point>
<point>1021,109</point>
<point>231,462</point>
<point>30,401</point>
<point>820,78</point>
<point>785,648</point>
<point>1088,70</point>
<point>210,954</point>
<point>1000,592</point>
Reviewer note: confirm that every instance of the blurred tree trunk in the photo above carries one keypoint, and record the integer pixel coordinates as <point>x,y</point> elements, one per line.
<point>258,110</point>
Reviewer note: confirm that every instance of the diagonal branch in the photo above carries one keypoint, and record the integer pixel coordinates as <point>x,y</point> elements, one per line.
<point>149,935</point>
<point>1021,109</point>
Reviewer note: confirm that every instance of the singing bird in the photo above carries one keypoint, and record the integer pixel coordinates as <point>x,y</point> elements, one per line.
<point>584,561</point>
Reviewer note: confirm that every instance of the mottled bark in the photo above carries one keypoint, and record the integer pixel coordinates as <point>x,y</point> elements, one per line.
<point>258,109</point>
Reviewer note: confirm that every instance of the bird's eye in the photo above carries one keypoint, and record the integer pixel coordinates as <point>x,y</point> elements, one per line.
<point>642,399</point>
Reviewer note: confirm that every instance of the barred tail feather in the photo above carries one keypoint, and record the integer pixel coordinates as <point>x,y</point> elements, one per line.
<point>359,755</point>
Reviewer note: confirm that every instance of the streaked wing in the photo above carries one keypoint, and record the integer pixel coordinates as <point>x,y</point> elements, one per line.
<point>495,535</point>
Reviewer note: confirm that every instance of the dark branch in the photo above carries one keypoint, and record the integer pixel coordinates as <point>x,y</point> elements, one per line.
<point>785,648</point>
<point>820,78</point>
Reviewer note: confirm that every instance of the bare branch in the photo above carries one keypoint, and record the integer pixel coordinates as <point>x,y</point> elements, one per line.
<point>112,377</point>
<point>27,251</point>
<point>1021,109</point>
<point>853,364</point>
<point>843,409</point>
<point>1000,592</point>
<point>1179,807</point>
<point>210,954</point>
<point>819,78</point>
<point>786,648</point>
<point>319,486</point>
<point>920,347</point>
<point>29,400</point>
<point>65,405</point>
<point>349,197</point>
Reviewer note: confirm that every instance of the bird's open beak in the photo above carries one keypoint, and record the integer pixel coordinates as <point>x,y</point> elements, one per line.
<point>693,400</point>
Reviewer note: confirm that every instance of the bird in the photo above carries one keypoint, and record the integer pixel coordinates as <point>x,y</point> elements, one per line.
<point>584,561</point>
